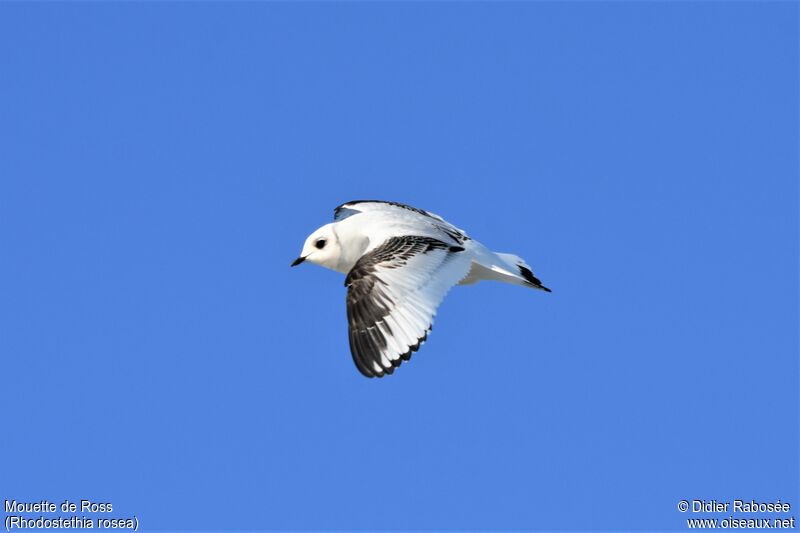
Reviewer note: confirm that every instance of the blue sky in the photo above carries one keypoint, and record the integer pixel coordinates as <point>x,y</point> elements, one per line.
<point>162,163</point>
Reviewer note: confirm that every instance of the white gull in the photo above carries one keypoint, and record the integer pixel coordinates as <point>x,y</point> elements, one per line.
<point>400,263</point>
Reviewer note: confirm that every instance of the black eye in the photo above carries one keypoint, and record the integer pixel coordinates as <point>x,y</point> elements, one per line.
<point>320,244</point>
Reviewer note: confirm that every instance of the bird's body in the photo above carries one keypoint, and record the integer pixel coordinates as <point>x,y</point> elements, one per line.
<point>400,262</point>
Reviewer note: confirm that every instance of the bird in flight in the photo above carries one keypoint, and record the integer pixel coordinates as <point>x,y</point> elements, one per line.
<point>400,263</point>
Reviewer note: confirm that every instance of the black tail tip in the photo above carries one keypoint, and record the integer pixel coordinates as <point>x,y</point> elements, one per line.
<point>530,278</point>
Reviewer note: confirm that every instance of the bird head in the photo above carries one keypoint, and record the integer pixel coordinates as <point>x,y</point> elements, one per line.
<point>321,247</point>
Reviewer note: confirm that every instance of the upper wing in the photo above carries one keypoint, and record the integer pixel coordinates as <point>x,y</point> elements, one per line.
<point>402,211</point>
<point>359,206</point>
<point>392,296</point>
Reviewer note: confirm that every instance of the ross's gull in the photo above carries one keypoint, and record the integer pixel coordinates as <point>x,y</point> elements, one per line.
<point>400,262</point>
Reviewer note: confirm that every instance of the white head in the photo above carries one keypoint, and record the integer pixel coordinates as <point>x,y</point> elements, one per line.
<point>322,248</point>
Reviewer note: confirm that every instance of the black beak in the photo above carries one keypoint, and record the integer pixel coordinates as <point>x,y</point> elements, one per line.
<point>298,261</point>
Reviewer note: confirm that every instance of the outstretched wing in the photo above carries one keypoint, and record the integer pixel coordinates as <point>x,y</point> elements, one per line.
<point>402,211</point>
<point>360,206</point>
<point>392,296</point>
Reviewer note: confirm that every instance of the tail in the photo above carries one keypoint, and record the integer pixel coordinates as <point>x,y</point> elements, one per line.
<point>508,268</point>
<point>518,265</point>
